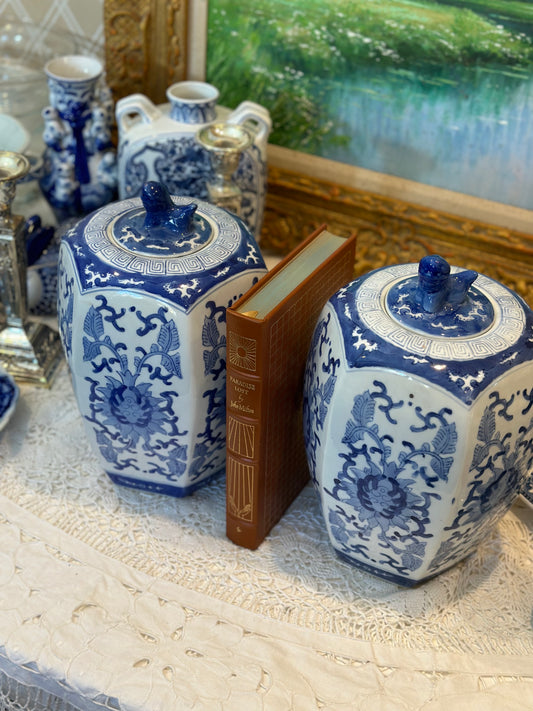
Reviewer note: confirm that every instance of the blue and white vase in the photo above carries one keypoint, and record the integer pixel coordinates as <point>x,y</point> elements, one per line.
<point>79,171</point>
<point>143,287</point>
<point>159,143</point>
<point>418,412</point>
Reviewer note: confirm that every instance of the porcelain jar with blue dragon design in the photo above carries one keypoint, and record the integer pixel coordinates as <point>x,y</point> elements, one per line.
<point>143,287</point>
<point>418,412</point>
<point>159,143</point>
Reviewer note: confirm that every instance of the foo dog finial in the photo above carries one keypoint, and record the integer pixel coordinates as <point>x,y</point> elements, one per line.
<point>162,212</point>
<point>438,290</point>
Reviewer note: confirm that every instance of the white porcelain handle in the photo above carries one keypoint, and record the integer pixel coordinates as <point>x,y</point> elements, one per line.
<point>131,107</point>
<point>257,115</point>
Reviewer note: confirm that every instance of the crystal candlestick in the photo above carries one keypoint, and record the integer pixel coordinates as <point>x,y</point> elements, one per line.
<point>225,142</point>
<point>29,351</point>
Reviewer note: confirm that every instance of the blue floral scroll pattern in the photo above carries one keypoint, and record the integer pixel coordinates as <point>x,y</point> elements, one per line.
<point>381,494</point>
<point>210,448</point>
<point>383,501</point>
<point>499,465</point>
<point>65,306</point>
<point>319,385</point>
<point>130,415</point>
<point>132,404</point>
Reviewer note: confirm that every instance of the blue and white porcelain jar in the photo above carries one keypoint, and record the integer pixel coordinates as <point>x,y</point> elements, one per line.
<point>143,287</point>
<point>418,411</point>
<point>159,143</point>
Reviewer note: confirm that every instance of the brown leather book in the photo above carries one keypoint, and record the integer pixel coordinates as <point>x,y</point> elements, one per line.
<point>269,331</point>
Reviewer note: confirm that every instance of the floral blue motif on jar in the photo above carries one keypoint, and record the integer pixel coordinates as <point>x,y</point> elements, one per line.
<point>134,406</point>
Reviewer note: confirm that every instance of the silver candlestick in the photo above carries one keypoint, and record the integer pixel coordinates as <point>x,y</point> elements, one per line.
<point>225,142</point>
<point>29,351</point>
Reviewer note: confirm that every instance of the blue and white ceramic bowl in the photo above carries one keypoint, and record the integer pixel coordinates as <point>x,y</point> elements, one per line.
<point>9,394</point>
<point>418,411</point>
<point>143,287</point>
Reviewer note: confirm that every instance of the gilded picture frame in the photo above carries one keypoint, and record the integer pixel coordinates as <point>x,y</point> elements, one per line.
<point>150,44</point>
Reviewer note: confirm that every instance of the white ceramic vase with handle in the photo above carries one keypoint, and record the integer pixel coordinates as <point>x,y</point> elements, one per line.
<point>159,143</point>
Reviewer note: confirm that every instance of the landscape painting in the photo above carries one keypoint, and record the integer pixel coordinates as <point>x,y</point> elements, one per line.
<point>439,92</point>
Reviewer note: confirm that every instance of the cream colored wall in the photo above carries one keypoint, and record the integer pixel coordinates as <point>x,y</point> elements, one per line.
<point>81,17</point>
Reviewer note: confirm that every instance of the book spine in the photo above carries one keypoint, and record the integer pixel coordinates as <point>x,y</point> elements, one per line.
<point>244,394</point>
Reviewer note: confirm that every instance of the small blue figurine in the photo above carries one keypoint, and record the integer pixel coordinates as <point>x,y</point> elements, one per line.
<point>162,212</point>
<point>438,290</point>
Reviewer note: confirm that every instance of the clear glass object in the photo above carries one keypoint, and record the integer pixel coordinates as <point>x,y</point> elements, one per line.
<point>24,50</point>
<point>225,143</point>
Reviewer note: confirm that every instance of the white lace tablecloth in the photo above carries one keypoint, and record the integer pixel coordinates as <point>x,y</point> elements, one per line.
<point>112,598</point>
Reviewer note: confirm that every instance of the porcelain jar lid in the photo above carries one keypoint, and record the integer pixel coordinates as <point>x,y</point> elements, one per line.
<point>454,327</point>
<point>141,242</point>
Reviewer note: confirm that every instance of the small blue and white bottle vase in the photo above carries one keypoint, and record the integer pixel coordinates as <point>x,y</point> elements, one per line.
<point>143,288</point>
<point>79,171</point>
<point>159,143</point>
<point>418,412</point>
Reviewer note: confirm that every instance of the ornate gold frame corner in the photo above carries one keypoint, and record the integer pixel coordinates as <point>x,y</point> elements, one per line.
<point>145,46</point>
<point>392,231</point>
<point>146,43</point>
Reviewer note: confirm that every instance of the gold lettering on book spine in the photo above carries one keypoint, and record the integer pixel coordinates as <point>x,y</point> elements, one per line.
<point>240,495</point>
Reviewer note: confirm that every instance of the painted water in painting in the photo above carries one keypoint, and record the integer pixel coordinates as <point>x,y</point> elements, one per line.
<point>440,92</point>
